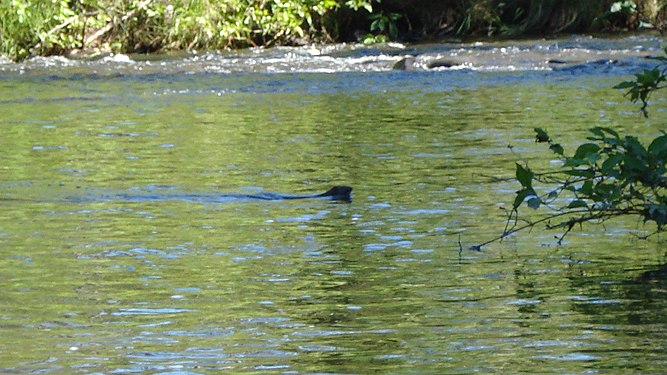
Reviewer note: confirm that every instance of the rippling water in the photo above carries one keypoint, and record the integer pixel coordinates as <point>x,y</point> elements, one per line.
<point>497,56</point>
<point>378,285</point>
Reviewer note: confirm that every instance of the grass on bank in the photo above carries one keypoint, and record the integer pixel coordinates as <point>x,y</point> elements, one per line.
<point>44,27</point>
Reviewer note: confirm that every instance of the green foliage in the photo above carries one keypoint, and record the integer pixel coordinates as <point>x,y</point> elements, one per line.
<point>606,177</point>
<point>385,23</point>
<point>359,4</point>
<point>609,176</point>
<point>480,16</point>
<point>383,27</point>
<point>187,24</point>
<point>641,14</point>
<point>42,26</point>
<point>627,6</point>
<point>38,27</point>
<point>34,27</point>
<point>645,83</point>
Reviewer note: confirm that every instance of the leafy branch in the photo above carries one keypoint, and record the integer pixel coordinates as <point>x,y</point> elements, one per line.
<point>383,27</point>
<point>646,83</point>
<point>608,177</point>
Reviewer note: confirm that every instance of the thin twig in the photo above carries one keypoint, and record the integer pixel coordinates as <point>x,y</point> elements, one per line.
<point>530,224</point>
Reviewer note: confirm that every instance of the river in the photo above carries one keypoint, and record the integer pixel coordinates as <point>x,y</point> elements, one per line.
<point>92,285</point>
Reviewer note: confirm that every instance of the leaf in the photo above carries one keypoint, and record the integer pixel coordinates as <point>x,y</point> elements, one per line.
<point>584,151</point>
<point>616,7</point>
<point>625,85</point>
<point>635,148</point>
<point>596,131</point>
<point>646,25</point>
<point>587,153</point>
<point>541,135</point>
<point>393,30</point>
<point>587,173</point>
<point>657,213</point>
<point>368,6</point>
<point>607,192</point>
<point>520,196</point>
<point>577,203</point>
<point>382,24</point>
<point>572,162</point>
<point>649,78</point>
<point>658,148</point>
<point>586,188</point>
<point>534,202</point>
<point>557,149</point>
<point>524,176</point>
<point>599,130</point>
<point>633,167</point>
<point>611,162</point>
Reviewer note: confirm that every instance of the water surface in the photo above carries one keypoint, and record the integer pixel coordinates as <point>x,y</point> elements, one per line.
<point>378,285</point>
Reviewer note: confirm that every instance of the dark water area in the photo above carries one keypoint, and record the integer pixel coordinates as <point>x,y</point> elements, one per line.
<point>108,267</point>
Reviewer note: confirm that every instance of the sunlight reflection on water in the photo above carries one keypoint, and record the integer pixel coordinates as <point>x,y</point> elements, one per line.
<point>116,244</point>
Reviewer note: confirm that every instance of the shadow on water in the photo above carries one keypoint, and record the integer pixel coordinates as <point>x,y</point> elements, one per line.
<point>633,301</point>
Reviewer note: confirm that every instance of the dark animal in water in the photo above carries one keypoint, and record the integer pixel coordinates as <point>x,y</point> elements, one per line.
<point>336,193</point>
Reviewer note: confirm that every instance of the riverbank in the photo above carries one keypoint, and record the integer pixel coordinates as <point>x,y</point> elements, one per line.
<point>149,26</point>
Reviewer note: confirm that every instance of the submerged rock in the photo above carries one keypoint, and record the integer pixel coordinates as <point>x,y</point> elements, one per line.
<point>585,66</point>
<point>406,63</point>
<point>442,63</point>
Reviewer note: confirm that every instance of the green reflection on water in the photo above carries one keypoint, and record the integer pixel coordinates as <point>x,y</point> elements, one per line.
<point>377,285</point>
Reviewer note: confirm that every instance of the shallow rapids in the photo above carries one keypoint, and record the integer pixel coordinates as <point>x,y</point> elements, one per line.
<point>579,54</point>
